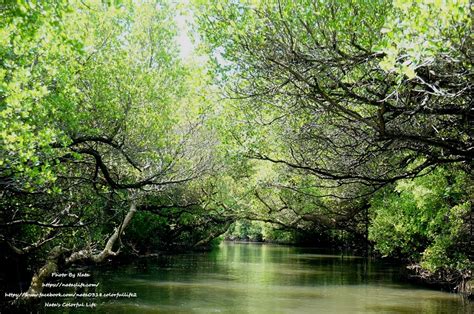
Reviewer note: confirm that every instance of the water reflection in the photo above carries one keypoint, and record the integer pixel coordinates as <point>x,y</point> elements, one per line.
<point>253,278</point>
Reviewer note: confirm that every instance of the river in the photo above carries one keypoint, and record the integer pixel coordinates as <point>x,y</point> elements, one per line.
<point>262,278</point>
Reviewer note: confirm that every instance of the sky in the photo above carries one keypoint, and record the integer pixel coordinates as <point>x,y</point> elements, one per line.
<point>183,39</point>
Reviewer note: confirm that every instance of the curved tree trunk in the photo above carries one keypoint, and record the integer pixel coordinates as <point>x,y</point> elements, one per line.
<point>51,265</point>
<point>36,285</point>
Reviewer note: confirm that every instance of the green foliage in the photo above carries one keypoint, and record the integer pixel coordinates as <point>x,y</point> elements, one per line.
<point>245,230</point>
<point>173,229</point>
<point>146,232</point>
<point>326,103</point>
<point>344,98</point>
<point>417,32</point>
<point>34,48</point>
<point>272,234</point>
<point>422,219</point>
<point>97,110</point>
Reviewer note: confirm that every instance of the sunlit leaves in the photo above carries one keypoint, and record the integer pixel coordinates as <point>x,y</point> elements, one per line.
<point>419,221</point>
<point>419,31</point>
<point>32,53</point>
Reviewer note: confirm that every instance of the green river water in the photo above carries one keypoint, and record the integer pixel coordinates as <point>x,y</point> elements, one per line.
<point>260,278</point>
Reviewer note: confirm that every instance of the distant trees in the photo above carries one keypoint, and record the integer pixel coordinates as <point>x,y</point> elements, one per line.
<point>345,98</point>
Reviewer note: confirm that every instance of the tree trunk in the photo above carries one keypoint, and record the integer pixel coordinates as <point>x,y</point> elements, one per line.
<point>51,265</point>
<point>107,251</point>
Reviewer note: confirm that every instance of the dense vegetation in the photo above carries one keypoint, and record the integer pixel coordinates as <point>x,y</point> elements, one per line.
<point>334,123</point>
<point>363,109</point>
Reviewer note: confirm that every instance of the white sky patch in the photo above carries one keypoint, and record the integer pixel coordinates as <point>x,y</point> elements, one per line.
<point>185,44</point>
<point>183,39</point>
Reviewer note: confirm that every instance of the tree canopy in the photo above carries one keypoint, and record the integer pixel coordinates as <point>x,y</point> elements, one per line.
<point>320,120</point>
<point>348,100</point>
